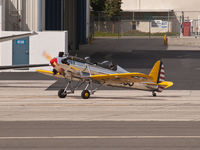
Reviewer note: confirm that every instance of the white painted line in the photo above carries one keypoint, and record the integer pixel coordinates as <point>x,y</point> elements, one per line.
<point>103,137</point>
<point>97,120</point>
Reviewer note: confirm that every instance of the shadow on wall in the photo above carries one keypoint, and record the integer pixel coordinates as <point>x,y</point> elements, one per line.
<point>176,24</point>
<point>13,20</point>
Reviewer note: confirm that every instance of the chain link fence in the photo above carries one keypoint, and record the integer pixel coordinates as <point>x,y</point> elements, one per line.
<point>146,24</point>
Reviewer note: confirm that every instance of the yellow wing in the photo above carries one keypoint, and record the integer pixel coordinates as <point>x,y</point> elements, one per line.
<point>50,73</point>
<point>122,78</point>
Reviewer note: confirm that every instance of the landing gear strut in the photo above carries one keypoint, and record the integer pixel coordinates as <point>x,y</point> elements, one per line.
<point>62,93</point>
<point>86,93</point>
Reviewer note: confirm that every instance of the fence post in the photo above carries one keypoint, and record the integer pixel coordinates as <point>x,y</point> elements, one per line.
<point>98,21</point>
<point>149,27</point>
<point>119,26</point>
<point>168,21</point>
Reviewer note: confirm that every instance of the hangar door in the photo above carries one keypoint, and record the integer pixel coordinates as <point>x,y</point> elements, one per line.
<point>20,51</point>
<point>54,10</point>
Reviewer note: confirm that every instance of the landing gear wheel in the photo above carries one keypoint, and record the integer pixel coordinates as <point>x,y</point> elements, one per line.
<point>154,94</point>
<point>62,93</point>
<point>85,94</point>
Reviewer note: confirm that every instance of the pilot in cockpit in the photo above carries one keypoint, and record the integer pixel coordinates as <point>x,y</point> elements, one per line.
<point>60,57</point>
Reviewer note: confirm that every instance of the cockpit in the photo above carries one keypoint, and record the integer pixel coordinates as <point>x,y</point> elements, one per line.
<point>108,65</point>
<point>105,64</point>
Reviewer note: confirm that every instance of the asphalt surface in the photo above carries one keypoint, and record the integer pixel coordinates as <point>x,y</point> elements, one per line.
<point>31,104</point>
<point>102,135</point>
<point>182,67</point>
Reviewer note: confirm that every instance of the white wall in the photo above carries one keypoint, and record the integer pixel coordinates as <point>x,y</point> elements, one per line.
<point>176,5</point>
<point>27,10</point>
<point>130,5</point>
<point>51,42</point>
<point>2,15</point>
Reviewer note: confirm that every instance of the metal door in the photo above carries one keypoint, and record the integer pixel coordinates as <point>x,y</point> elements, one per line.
<point>20,51</point>
<point>186,28</point>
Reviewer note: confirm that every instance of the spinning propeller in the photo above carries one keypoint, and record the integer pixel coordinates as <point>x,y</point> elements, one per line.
<point>54,63</point>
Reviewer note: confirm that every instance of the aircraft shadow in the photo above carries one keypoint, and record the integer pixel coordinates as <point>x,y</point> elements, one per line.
<point>121,98</point>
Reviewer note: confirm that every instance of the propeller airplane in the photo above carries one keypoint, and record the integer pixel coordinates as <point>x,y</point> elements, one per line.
<point>82,70</point>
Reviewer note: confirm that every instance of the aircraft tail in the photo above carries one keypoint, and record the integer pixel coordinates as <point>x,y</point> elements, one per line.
<point>158,75</point>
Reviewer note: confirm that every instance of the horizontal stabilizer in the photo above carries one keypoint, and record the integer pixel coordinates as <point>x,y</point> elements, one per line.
<point>166,84</point>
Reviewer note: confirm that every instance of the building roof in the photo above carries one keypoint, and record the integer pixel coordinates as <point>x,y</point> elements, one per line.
<point>150,10</point>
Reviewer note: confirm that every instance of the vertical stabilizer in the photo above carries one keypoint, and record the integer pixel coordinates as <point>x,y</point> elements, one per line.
<point>158,75</point>
<point>155,71</point>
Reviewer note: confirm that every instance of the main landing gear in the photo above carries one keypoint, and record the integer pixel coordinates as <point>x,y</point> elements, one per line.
<point>62,93</point>
<point>85,94</point>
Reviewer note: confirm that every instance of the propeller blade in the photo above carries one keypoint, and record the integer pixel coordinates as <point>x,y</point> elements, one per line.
<point>47,56</point>
<point>57,66</point>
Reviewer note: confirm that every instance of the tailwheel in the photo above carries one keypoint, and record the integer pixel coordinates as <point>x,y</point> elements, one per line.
<point>85,94</point>
<point>154,94</point>
<point>62,93</point>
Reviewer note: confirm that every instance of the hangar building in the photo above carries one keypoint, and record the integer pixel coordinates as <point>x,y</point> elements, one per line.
<point>174,13</point>
<point>48,15</point>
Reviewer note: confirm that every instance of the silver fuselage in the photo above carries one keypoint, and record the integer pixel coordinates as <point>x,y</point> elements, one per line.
<point>86,69</point>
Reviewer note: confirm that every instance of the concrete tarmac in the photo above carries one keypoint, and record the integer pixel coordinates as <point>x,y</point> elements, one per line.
<point>32,117</point>
<point>102,135</point>
<point>28,100</point>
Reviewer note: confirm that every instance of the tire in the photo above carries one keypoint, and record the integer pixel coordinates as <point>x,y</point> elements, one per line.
<point>61,93</point>
<point>85,94</point>
<point>154,94</point>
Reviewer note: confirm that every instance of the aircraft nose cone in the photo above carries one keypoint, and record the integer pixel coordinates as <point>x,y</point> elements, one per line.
<point>54,61</point>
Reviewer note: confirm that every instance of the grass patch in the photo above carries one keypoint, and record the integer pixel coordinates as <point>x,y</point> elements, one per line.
<point>104,34</point>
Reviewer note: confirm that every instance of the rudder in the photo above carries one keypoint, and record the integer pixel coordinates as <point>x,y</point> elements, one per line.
<point>158,74</point>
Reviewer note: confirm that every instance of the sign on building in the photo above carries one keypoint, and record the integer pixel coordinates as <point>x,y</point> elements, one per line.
<point>156,23</point>
<point>159,24</point>
<point>164,24</point>
<point>20,42</point>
